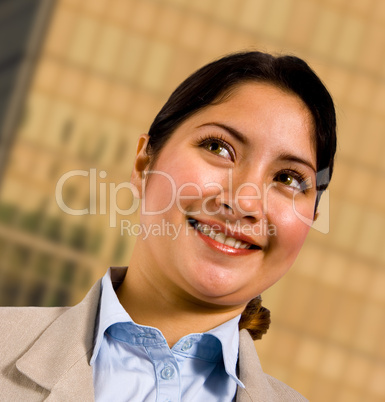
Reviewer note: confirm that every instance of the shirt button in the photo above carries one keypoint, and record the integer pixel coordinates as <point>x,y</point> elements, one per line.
<point>167,373</point>
<point>187,345</point>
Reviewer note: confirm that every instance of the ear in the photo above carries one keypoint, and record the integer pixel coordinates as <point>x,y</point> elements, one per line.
<point>142,161</point>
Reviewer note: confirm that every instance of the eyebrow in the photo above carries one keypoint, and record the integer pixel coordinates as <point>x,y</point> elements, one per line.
<point>293,158</point>
<point>231,130</point>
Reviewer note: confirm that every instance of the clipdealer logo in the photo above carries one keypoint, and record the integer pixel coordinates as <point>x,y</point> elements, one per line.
<point>103,195</point>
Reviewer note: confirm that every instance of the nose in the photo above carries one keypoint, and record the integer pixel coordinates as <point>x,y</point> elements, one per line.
<point>243,202</point>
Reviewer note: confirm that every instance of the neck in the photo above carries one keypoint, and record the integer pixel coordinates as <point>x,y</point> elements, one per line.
<point>153,303</point>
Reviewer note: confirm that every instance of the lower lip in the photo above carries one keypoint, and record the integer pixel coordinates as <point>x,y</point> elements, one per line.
<point>223,247</point>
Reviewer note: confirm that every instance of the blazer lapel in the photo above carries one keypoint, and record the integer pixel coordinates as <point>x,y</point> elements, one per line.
<point>59,360</point>
<point>257,388</point>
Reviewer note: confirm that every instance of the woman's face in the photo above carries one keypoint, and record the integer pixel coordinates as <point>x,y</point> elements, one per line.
<point>222,207</point>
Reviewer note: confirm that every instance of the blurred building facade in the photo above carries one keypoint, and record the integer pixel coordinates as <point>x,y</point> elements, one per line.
<point>97,73</point>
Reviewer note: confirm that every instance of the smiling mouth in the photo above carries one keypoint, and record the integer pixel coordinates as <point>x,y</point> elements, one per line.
<point>221,237</point>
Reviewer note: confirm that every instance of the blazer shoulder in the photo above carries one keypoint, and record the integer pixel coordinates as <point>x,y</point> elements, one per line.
<point>283,391</point>
<point>260,386</point>
<point>21,326</point>
<point>16,317</point>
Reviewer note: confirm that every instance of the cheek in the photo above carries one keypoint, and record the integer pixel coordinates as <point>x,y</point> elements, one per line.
<point>201,188</point>
<point>292,225</point>
<point>184,183</point>
<point>294,233</point>
<point>159,192</point>
<point>287,243</point>
<point>172,184</point>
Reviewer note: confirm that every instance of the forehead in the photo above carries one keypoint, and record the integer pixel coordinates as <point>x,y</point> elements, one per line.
<point>261,111</point>
<point>264,98</point>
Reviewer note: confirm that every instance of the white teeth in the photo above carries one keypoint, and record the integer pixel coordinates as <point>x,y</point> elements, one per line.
<point>221,237</point>
<point>230,241</point>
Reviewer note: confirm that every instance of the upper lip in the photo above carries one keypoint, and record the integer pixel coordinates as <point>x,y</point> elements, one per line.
<point>228,231</point>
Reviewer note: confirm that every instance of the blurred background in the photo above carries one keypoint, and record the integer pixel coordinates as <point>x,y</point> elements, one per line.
<point>81,80</point>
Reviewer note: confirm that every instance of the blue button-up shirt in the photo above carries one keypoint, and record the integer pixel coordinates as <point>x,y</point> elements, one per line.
<point>133,362</point>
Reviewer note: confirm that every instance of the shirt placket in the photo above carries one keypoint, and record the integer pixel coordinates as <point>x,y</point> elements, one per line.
<point>167,373</point>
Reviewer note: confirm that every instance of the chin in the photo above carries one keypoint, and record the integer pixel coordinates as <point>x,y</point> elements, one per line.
<point>221,290</point>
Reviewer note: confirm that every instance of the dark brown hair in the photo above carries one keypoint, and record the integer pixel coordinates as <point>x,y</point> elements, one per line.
<point>211,82</point>
<point>255,318</point>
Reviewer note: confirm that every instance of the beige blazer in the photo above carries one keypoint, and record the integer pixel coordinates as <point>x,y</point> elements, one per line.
<point>45,353</point>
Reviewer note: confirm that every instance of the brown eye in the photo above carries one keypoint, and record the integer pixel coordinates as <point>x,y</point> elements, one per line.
<point>285,179</point>
<point>289,180</point>
<point>219,148</point>
<point>216,148</point>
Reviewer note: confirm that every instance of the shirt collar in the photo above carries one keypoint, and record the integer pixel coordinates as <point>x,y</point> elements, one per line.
<point>112,312</point>
<point>228,334</point>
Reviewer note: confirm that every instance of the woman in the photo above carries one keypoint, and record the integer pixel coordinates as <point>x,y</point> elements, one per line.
<point>230,169</point>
